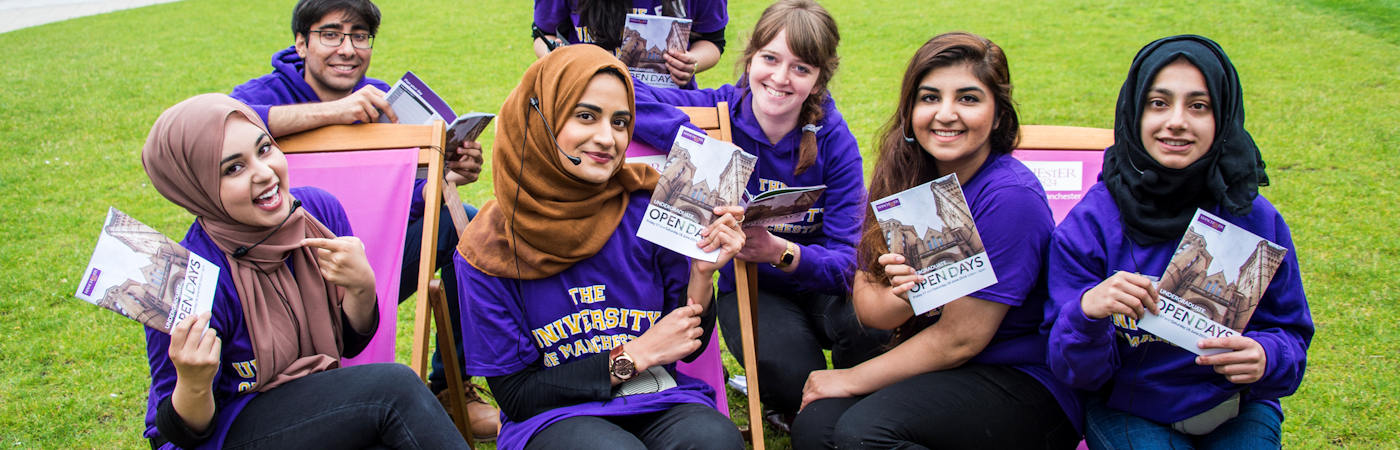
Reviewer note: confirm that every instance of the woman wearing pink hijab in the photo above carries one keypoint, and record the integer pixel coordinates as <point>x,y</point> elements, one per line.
<point>295,294</point>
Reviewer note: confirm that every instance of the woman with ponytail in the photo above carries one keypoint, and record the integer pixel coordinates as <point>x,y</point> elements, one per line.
<point>783,113</point>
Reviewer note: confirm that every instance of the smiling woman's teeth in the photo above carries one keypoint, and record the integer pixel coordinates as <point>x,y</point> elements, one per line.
<point>1175,143</point>
<point>946,133</point>
<point>774,93</point>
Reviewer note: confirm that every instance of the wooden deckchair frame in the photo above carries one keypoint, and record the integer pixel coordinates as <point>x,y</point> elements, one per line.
<point>715,122</point>
<point>429,140</point>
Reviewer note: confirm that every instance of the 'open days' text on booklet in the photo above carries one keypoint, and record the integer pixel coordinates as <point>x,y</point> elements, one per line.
<point>701,173</point>
<point>1213,283</point>
<point>931,225</point>
<point>141,274</point>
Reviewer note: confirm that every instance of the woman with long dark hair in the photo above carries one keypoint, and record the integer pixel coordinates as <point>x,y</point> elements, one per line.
<point>971,374</point>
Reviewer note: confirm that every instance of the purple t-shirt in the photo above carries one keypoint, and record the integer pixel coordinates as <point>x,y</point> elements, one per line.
<point>1139,373</point>
<point>237,374</point>
<point>707,16</point>
<point>828,233</point>
<point>600,302</point>
<point>1013,218</point>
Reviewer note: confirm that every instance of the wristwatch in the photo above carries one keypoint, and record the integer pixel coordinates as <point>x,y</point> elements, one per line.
<point>789,255</point>
<point>621,364</point>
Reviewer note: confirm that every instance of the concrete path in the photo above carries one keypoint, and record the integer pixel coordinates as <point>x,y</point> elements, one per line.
<point>17,14</point>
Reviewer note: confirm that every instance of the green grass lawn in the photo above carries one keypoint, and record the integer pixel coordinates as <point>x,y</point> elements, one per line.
<point>1322,88</point>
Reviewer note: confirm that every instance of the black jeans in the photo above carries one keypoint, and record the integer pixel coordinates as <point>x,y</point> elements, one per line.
<point>688,426</point>
<point>791,331</point>
<point>973,406</point>
<point>408,284</point>
<point>368,406</point>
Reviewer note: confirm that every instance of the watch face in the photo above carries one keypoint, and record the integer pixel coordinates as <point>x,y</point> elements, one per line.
<point>623,368</point>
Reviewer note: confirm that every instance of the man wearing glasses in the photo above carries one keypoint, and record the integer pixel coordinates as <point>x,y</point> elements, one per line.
<point>320,80</point>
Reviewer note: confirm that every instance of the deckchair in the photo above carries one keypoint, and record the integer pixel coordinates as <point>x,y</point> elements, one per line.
<point>715,122</point>
<point>1067,160</point>
<point>353,150</point>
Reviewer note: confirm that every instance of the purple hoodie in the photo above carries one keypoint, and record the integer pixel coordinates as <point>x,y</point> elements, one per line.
<point>829,233</point>
<point>1136,372</point>
<point>286,85</point>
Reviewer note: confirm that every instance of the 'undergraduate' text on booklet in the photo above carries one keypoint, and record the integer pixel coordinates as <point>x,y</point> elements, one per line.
<point>1212,284</point>
<point>139,273</point>
<point>701,173</point>
<point>931,225</point>
<point>645,39</point>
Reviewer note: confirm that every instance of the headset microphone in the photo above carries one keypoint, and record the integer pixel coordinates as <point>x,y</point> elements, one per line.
<point>535,103</point>
<point>243,250</point>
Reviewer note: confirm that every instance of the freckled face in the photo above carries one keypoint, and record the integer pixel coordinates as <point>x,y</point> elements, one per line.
<point>1178,119</point>
<point>780,81</point>
<point>596,131</point>
<point>252,175</point>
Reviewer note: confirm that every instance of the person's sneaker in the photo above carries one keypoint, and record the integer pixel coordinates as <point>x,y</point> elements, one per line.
<point>485,419</point>
<point>779,421</point>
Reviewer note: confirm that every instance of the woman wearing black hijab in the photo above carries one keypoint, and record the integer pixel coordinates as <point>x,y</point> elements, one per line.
<point>1179,145</point>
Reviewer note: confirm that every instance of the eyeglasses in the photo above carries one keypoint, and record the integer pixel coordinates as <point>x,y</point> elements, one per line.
<point>332,38</point>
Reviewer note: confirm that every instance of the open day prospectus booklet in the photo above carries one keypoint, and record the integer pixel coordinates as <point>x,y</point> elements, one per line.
<point>645,39</point>
<point>415,103</point>
<point>1212,284</point>
<point>931,225</point>
<point>702,172</point>
<point>141,274</point>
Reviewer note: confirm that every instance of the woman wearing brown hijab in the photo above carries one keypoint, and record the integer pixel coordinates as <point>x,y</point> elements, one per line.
<point>575,321</point>
<point>295,294</point>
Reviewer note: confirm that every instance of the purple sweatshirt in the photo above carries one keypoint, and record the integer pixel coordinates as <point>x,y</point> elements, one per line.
<point>598,303</point>
<point>237,366</point>
<point>1137,372</point>
<point>286,85</point>
<point>707,16</point>
<point>831,229</point>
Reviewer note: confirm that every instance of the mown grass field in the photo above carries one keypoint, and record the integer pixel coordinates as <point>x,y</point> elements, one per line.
<point>1321,81</point>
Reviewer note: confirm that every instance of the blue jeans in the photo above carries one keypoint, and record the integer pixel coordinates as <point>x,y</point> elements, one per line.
<point>683,426</point>
<point>368,406</point>
<point>408,284</point>
<point>1259,426</point>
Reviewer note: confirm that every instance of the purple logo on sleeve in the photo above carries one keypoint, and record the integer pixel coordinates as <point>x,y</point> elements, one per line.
<point>91,281</point>
<point>886,205</point>
<point>691,135</point>
<point>1216,225</point>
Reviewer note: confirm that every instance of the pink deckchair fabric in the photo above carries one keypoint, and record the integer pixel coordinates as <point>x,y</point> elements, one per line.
<point>1065,174</point>
<point>375,189</point>
<point>708,367</point>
